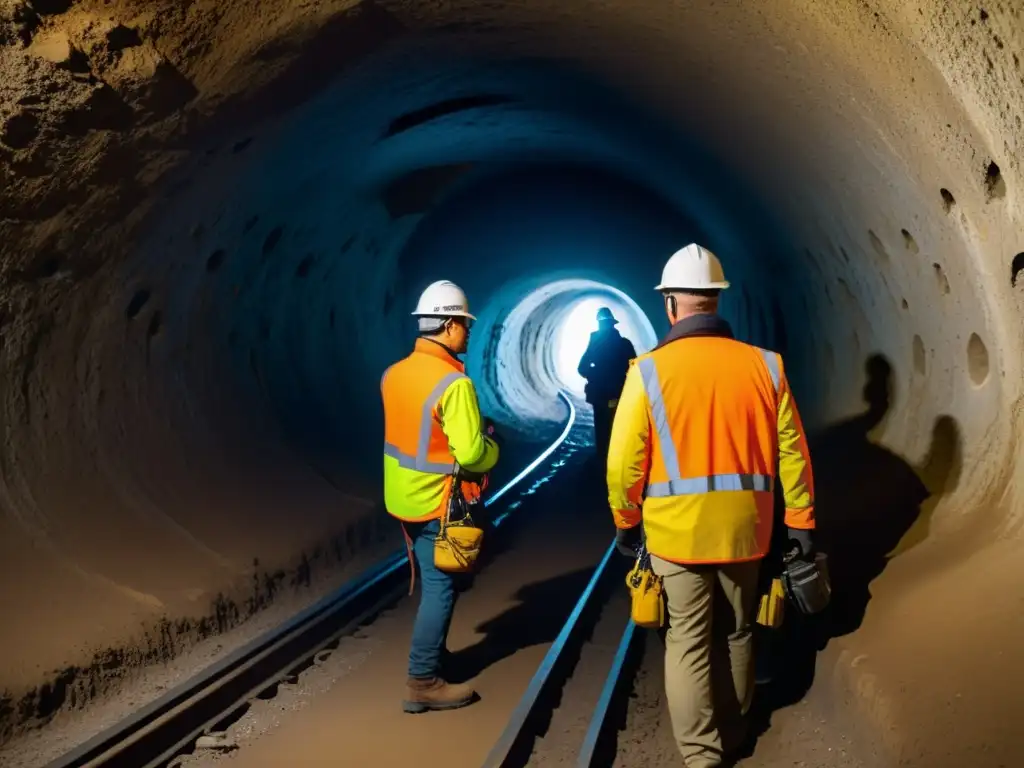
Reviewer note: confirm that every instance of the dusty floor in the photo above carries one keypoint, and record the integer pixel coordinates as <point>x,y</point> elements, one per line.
<point>798,735</point>
<point>72,727</point>
<point>346,710</point>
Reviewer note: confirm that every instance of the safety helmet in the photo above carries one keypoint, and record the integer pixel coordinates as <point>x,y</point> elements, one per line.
<point>694,268</point>
<point>604,315</point>
<point>443,299</point>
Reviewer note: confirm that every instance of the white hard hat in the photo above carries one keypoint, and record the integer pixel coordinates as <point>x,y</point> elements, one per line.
<point>443,299</point>
<point>692,268</point>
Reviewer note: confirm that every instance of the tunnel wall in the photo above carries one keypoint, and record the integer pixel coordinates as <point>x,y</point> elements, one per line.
<point>163,404</point>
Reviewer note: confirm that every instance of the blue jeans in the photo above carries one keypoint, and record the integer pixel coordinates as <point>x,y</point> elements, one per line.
<point>437,602</point>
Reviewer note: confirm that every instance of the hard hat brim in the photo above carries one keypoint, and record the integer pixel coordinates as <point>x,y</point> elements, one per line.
<point>721,285</point>
<point>446,314</point>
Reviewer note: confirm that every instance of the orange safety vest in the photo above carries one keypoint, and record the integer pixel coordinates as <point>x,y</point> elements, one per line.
<point>714,406</point>
<point>418,481</point>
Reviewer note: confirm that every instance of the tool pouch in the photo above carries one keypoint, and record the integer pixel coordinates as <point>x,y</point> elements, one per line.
<point>807,583</point>
<point>458,542</point>
<point>772,608</point>
<point>646,593</point>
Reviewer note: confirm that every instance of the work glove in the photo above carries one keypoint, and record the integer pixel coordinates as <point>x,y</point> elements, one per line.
<point>802,539</point>
<point>628,540</point>
<point>472,490</point>
<point>491,431</point>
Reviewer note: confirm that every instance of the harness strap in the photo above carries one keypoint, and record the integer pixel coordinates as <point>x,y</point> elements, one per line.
<point>412,559</point>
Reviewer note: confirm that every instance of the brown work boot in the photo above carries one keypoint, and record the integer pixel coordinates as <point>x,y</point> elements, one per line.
<point>434,693</point>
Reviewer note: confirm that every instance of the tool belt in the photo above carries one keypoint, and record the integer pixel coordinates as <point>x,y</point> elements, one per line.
<point>458,542</point>
<point>807,582</point>
<point>646,593</point>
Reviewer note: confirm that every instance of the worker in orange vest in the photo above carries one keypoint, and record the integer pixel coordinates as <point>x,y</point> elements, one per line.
<point>700,425</point>
<point>434,437</point>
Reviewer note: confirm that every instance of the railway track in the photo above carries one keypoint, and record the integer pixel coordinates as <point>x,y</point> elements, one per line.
<point>576,700</point>
<point>188,714</point>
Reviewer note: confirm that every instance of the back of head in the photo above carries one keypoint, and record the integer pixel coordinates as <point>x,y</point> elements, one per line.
<point>691,281</point>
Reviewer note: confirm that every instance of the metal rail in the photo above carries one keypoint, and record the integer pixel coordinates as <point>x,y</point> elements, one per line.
<point>504,752</point>
<point>596,729</point>
<point>157,732</point>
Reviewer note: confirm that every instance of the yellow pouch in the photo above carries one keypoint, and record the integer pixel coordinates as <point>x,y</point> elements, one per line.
<point>457,544</point>
<point>457,548</point>
<point>772,608</point>
<point>647,596</point>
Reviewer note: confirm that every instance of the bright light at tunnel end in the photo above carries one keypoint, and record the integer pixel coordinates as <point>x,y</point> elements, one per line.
<point>573,336</point>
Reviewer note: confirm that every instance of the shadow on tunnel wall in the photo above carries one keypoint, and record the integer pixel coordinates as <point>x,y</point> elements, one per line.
<point>872,505</point>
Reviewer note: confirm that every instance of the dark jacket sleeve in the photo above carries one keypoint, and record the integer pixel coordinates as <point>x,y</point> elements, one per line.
<point>587,360</point>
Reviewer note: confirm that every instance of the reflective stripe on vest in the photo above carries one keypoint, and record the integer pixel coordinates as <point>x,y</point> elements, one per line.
<point>676,484</point>
<point>420,462</point>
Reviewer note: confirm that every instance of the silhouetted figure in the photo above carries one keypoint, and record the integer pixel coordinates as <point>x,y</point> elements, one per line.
<point>604,366</point>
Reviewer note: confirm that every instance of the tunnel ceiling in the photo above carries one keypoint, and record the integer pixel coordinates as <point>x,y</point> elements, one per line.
<point>207,209</point>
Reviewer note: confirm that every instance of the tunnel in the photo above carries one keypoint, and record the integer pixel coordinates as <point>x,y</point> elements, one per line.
<point>215,220</point>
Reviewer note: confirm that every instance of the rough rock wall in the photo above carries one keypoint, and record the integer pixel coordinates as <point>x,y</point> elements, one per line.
<point>171,213</point>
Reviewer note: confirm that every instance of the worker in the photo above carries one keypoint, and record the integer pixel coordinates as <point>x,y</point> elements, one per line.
<point>604,366</point>
<point>434,435</point>
<point>701,423</point>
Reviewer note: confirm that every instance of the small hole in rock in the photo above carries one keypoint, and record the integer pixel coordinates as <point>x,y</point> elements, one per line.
<point>977,360</point>
<point>904,304</point>
<point>330,319</point>
<point>940,277</point>
<point>156,325</point>
<point>995,186</point>
<point>216,259</point>
<point>920,360</point>
<point>910,242</point>
<point>272,240</point>
<point>1016,267</point>
<point>948,201</point>
<point>877,244</point>
<point>137,303</point>
<point>983,14</point>
<point>304,266</point>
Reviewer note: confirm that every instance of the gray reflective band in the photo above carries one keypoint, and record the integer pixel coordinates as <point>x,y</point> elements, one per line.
<point>419,462</point>
<point>772,361</point>
<point>676,485</point>
<point>652,386</point>
<point>730,482</point>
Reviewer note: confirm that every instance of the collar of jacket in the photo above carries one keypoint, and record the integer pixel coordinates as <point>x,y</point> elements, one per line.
<point>440,351</point>
<point>704,324</point>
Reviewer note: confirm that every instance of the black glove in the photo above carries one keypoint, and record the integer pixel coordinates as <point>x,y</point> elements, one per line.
<point>628,540</point>
<point>490,430</point>
<point>801,540</point>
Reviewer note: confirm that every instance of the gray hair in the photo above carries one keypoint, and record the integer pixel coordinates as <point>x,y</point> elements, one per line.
<point>432,324</point>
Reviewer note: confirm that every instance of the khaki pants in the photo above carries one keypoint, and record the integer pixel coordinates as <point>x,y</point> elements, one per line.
<point>703,702</point>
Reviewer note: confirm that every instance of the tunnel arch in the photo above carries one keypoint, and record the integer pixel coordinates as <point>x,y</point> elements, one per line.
<point>520,360</point>
<point>160,390</point>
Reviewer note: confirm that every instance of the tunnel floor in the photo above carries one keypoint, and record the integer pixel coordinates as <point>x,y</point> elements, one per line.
<point>347,709</point>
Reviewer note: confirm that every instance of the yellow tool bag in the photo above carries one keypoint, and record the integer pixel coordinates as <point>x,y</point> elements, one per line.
<point>772,609</point>
<point>457,545</point>
<point>647,593</point>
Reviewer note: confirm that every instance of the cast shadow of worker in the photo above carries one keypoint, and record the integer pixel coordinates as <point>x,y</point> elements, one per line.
<point>536,618</point>
<point>871,505</point>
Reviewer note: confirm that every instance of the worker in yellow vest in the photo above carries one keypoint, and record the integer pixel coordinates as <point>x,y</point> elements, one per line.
<point>433,431</point>
<point>701,423</point>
